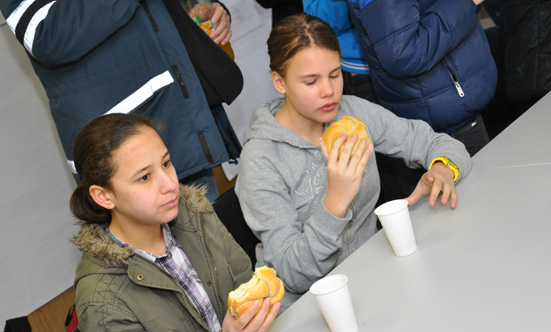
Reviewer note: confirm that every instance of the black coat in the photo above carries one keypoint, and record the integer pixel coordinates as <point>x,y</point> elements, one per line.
<point>525,37</point>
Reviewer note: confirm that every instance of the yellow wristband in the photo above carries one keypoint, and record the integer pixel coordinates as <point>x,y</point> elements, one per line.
<point>449,164</point>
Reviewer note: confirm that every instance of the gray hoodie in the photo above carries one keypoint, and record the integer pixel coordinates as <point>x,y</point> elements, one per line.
<point>282,182</point>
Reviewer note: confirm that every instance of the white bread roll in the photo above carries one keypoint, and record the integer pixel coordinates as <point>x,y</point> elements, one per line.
<point>347,125</point>
<point>264,283</point>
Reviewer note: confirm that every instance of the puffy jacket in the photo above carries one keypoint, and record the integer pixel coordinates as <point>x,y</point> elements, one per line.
<point>117,290</point>
<point>98,57</point>
<point>335,12</point>
<point>525,28</point>
<point>429,59</point>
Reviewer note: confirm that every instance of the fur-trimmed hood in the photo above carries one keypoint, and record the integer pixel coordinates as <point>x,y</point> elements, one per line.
<point>93,239</point>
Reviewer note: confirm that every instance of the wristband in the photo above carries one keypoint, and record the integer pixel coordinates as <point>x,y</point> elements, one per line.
<point>449,164</point>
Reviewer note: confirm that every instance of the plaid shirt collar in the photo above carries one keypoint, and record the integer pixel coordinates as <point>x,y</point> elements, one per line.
<point>176,263</point>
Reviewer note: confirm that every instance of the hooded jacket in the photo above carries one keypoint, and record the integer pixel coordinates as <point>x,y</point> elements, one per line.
<point>97,57</point>
<point>283,180</point>
<point>429,59</point>
<point>117,290</point>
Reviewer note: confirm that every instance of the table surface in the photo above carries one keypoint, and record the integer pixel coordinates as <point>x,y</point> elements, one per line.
<point>484,266</point>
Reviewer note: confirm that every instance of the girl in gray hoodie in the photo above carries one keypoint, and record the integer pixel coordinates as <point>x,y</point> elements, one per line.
<point>312,210</point>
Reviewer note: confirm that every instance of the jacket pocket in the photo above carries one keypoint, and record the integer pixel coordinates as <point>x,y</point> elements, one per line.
<point>455,80</point>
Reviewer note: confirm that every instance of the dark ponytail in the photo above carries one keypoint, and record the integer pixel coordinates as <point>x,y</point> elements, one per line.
<point>93,156</point>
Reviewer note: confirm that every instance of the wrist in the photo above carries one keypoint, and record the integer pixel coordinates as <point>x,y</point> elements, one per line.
<point>449,164</point>
<point>335,205</point>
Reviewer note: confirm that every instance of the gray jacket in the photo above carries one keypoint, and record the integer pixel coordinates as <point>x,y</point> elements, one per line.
<point>282,182</point>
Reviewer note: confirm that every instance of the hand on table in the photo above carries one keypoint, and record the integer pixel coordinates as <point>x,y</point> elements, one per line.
<point>344,172</point>
<point>249,322</point>
<point>438,180</point>
<point>220,18</point>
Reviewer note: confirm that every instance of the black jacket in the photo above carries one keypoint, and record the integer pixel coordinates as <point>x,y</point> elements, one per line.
<point>525,31</point>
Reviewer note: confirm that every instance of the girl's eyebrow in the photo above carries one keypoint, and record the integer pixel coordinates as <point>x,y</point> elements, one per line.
<point>148,166</point>
<point>317,75</point>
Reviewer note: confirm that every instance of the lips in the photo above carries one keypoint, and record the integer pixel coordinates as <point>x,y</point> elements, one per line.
<point>328,107</point>
<point>170,204</point>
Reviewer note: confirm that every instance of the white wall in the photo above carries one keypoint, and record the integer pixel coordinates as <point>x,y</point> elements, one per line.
<point>36,258</point>
<point>37,261</point>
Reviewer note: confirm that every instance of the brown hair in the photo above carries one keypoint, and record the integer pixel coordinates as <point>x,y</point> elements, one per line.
<point>93,156</point>
<point>295,33</point>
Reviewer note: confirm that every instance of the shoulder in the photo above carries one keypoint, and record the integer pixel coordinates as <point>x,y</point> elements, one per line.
<point>358,108</point>
<point>194,198</point>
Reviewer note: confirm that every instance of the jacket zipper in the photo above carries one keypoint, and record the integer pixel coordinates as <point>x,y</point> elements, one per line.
<point>150,16</point>
<point>180,81</point>
<point>455,81</point>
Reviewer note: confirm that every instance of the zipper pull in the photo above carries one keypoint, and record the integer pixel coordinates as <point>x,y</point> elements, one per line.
<point>455,80</point>
<point>459,90</point>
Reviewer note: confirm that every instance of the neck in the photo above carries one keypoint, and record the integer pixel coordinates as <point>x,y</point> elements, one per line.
<point>144,237</point>
<point>309,130</point>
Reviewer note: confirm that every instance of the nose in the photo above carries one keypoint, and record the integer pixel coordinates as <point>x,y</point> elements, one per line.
<point>327,89</point>
<point>169,182</point>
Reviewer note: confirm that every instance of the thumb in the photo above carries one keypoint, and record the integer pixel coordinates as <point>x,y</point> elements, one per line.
<point>413,198</point>
<point>416,194</point>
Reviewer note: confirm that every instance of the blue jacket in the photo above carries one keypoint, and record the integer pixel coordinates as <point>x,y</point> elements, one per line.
<point>429,59</point>
<point>335,12</point>
<point>97,57</point>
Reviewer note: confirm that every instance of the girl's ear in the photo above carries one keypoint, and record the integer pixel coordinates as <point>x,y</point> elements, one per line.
<point>102,197</point>
<point>277,81</point>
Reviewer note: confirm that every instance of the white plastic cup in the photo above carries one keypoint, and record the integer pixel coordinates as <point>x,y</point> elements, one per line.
<point>394,217</point>
<point>334,300</point>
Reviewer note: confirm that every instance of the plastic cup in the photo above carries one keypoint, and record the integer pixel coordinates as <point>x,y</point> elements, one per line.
<point>334,300</point>
<point>394,217</point>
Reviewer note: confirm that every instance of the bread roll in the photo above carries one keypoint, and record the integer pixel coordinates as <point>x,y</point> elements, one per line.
<point>263,284</point>
<point>346,125</point>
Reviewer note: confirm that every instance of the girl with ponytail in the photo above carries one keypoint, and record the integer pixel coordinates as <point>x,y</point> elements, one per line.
<point>155,255</point>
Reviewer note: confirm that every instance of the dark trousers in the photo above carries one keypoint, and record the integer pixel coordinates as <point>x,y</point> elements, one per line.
<point>473,135</point>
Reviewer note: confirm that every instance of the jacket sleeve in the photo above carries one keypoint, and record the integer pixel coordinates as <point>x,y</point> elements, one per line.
<point>412,140</point>
<point>106,316</point>
<point>300,250</point>
<point>334,12</point>
<point>409,40</point>
<point>62,31</point>
<point>239,262</point>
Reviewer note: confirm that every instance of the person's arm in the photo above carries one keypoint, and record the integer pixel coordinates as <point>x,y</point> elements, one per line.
<point>107,317</point>
<point>62,31</point>
<point>408,40</point>
<point>300,250</point>
<point>240,266</point>
<point>445,158</point>
<point>334,12</point>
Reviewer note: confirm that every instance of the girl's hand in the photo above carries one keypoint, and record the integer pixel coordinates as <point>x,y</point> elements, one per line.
<point>221,19</point>
<point>344,172</point>
<point>438,180</point>
<point>249,322</point>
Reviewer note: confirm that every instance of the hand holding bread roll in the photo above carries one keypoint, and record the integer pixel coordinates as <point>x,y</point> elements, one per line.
<point>346,125</point>
<point>263,284</point>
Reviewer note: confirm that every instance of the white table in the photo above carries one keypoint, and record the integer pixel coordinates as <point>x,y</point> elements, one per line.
<point>485,266</point>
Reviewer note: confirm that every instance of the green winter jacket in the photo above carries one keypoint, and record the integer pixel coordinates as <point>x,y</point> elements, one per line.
<point>117,290</point>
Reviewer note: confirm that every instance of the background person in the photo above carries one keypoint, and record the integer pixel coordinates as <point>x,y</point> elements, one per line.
<point>146,57</point>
